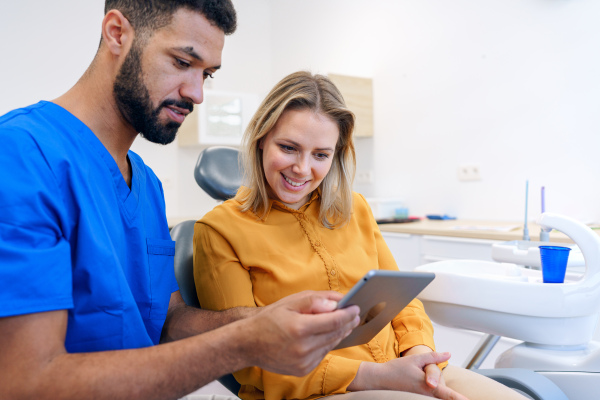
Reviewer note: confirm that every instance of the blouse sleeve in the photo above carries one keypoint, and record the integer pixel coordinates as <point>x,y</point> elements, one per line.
<point>332,376</point>
<point>222,283</point>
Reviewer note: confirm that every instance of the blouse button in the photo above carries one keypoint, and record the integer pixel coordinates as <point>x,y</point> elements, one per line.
<point>333,272</point>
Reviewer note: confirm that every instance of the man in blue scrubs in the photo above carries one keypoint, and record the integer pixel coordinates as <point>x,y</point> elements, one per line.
<point>87,289</point>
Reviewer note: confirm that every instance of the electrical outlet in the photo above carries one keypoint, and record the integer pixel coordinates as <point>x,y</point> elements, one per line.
<point>364,177</point>
<point>469,172</point>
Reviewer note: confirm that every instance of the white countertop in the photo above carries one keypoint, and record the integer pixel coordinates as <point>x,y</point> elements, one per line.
<point>490,230</point>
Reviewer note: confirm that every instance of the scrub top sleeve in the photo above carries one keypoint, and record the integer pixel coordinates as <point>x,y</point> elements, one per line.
<point>221,280</point>
<point>36,258</point>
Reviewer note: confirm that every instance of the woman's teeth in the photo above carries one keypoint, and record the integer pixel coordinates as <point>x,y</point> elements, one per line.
<point>296,184</point>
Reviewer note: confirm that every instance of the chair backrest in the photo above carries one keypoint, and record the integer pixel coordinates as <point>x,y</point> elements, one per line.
<point>183,235</point>
<point>218,173</point>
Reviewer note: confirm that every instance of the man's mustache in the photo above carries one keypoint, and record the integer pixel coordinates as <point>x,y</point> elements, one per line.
<point>178,103</point>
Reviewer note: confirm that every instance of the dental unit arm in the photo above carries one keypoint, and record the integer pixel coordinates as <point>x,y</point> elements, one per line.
<point>588,241</point>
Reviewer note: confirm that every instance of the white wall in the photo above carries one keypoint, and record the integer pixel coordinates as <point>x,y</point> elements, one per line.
<point>45,46</point>
<point>511,85</point>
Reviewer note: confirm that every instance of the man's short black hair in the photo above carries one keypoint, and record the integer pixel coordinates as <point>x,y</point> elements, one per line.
<point>146,16</point>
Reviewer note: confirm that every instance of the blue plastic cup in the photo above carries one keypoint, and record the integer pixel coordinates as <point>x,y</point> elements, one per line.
<point>554,263</point>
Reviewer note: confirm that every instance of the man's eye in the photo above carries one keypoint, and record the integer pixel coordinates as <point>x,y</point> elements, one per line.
<point>181,63</point>
<point>208,75</point>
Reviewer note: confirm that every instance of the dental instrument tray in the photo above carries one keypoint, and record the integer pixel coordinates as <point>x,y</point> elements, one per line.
<point>524,252</point>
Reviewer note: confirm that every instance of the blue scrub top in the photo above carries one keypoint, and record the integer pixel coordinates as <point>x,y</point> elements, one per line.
<point>74,236</point>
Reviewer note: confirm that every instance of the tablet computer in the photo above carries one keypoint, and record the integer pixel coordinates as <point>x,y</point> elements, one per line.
<point>381,295</point>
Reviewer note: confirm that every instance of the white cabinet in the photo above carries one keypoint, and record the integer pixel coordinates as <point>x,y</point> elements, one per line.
<point>404,248</point>
<point>439,248</point>
<point>410,250</point>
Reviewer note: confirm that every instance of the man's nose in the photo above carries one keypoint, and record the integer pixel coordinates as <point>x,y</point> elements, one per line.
<point>193,89</point>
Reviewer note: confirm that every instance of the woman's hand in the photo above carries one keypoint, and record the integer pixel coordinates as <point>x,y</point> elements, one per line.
<point>433,375</point>
<point>416,373</point>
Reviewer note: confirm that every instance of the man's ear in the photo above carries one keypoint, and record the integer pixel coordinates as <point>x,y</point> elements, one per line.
<point>117,32</point>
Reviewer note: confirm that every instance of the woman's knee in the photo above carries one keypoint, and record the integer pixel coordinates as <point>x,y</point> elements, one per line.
<point>475,386</point>
<point>379,395</point>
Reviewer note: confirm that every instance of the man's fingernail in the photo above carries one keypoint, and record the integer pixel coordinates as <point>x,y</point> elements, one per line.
<point>330,304</point>
<point>432,382</point>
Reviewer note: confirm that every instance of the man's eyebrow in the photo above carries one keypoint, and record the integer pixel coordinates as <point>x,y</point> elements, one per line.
<point>189,50</point>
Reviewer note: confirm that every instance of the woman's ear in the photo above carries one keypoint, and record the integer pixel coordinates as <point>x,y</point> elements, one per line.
<point>117,32</point>
<point>261,143</point>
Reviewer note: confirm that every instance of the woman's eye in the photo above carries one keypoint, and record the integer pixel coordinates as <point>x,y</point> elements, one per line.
<point>322,156</point>
<point>285,148</point>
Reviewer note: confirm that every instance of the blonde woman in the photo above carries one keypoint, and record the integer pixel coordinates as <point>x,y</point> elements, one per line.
<point>296,225</point>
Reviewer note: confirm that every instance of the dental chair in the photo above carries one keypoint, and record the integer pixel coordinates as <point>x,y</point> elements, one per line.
<point>217,172</point>
<point>556,322</point>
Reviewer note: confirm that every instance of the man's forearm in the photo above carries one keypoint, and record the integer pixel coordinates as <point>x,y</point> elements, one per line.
<point>184,321</point>
<point>289,337</point>
<point>167,371</point>
<point>34,363</point>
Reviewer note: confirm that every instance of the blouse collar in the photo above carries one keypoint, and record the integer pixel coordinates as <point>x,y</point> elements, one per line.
<point>316,194</point>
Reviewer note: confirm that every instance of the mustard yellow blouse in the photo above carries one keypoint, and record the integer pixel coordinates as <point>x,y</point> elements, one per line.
<point>240,260</point>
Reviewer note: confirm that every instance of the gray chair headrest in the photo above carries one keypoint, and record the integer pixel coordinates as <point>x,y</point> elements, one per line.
<point>218,173</point>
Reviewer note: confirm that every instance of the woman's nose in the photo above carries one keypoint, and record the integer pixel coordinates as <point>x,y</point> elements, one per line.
<point>301,166</point>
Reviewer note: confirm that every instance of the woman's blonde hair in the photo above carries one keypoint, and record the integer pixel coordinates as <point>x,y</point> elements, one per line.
<point>302,91</point>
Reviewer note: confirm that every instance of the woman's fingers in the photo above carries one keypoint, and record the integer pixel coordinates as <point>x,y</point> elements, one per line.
<point>432,375</point>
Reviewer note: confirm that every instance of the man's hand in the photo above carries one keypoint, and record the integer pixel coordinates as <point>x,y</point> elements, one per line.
<point>406,374</point>
<point>293,335</point>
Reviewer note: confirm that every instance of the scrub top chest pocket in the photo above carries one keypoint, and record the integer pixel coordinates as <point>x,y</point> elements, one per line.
<point>161,254</point>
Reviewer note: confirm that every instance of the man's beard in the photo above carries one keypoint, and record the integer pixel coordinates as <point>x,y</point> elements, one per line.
<point>133,100</point>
